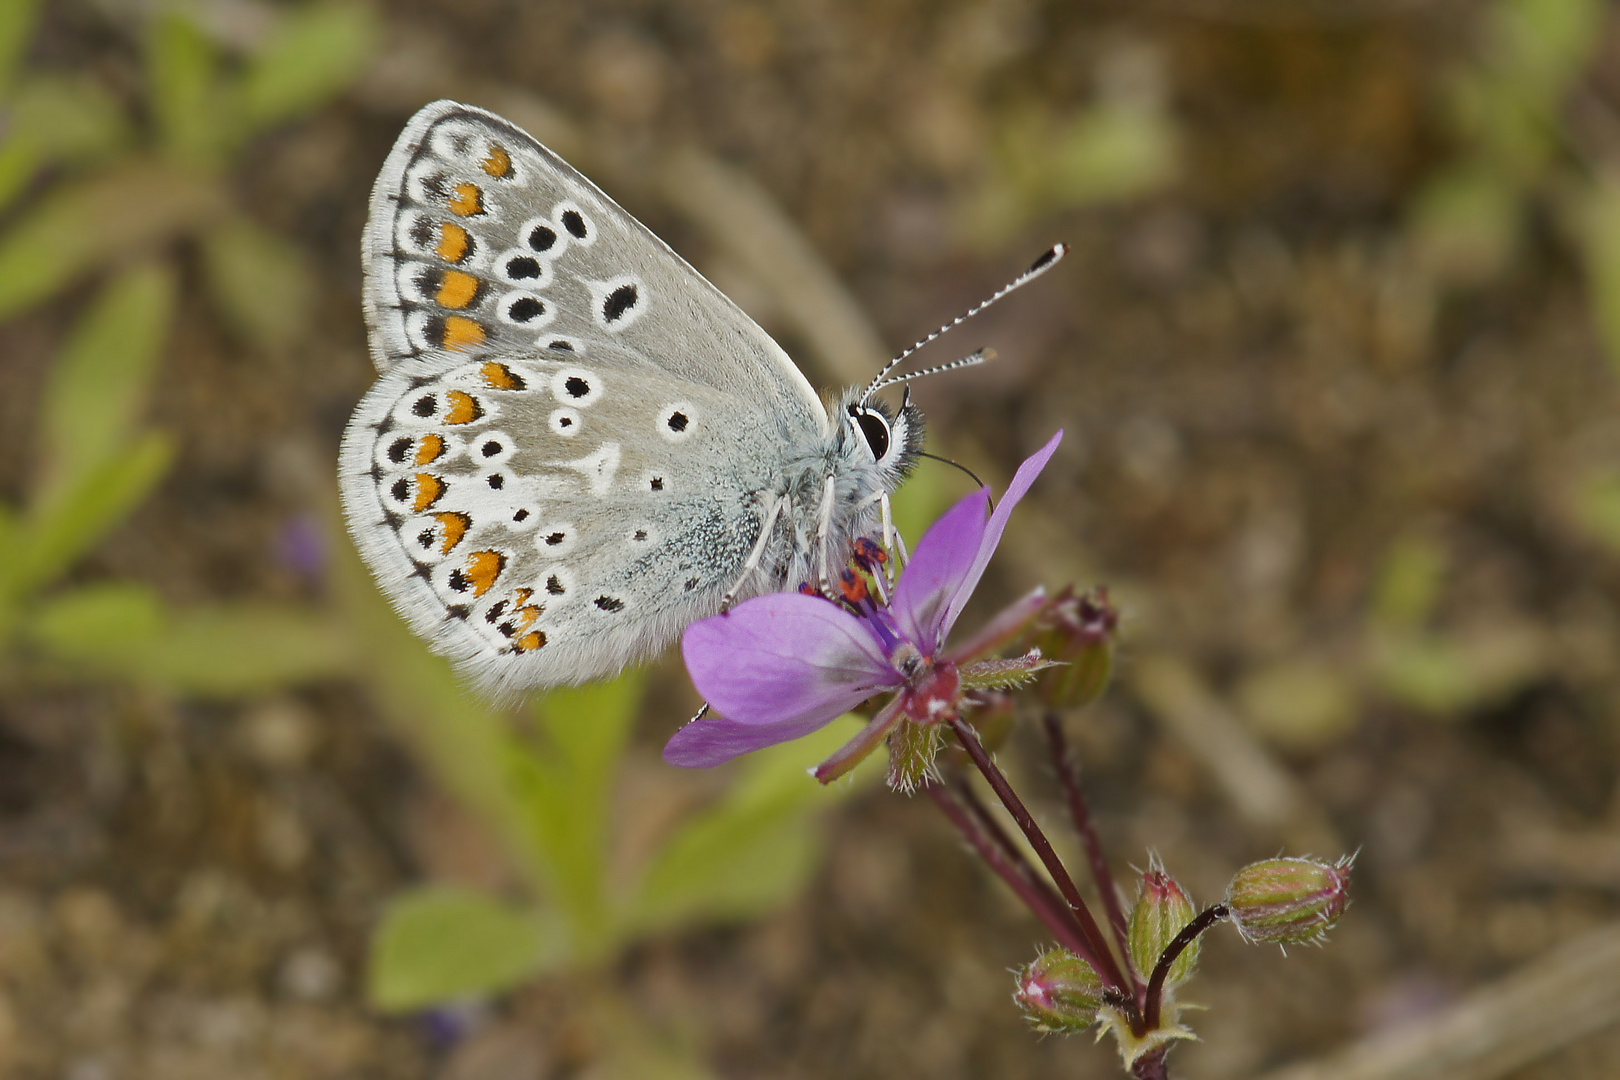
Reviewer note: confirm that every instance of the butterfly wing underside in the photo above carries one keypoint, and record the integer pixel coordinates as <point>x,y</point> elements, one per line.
<point>555,472</point>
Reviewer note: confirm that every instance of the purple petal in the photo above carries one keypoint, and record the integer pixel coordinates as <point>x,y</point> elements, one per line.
<point>943,557</point>
<point>951,558</point>
<point>1021,483</point>
<point>785,658</point>
<point>715,740</point>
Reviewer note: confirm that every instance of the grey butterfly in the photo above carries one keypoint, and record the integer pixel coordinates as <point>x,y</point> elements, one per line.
<point>577,445</point>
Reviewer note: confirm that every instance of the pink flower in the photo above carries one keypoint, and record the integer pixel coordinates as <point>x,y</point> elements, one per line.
<point>778,667</point>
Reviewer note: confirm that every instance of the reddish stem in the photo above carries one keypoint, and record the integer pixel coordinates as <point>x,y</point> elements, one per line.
<point>1189,933</point>
<point>1069,774</point>
<point>1151,1065</point>
<point>1040,900</point>
<point>1104,961</point>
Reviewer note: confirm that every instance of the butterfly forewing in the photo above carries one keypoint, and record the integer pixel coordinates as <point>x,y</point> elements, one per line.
<point>482,241</point>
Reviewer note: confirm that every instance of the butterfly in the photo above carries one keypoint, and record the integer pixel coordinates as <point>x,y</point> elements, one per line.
<point>576,445</point>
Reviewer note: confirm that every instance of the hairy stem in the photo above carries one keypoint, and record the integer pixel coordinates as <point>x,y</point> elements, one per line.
<point>1069,774</point>
<point>1189,933</point>
<point>1151,1065</point>
<point>1104,962</point>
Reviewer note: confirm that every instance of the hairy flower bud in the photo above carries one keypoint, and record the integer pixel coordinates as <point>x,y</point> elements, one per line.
<point>1162,909</point>
<point>1059,993</point>
<point>1288,901</point>
<point>912,750</point>
<point>1079,632</point>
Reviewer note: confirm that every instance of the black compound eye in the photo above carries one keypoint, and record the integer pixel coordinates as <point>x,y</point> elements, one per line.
<point>874,428</point>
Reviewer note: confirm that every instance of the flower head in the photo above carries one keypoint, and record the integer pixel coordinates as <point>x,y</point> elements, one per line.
<point>778,667</point>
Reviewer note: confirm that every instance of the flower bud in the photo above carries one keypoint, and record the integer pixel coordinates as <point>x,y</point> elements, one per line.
<point>912,750</point>
<point>1079,632</point>
<point>1288,901</point>
<point>1059,993</point>
<point>1162,909</point>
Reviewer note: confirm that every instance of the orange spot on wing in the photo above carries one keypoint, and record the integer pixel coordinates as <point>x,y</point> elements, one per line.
<point>500,377</point>
<point>454,243</point>
<point>527,615</point>
<point>429,489</point>
<point>461,332</point>
<point>483,567</point>
<point>430,449</point>
<point>468,200</point>
<point>531,641</point>
<point>464,408</point>
<point>458,289</point>
<point>455,527</point>
<point>499,162</point>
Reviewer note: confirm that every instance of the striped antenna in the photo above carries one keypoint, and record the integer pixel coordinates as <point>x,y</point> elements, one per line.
<point>972,359</point>
<point>1040,266</point>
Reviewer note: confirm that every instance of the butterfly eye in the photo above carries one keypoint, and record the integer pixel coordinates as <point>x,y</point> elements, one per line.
<point>874,429</point>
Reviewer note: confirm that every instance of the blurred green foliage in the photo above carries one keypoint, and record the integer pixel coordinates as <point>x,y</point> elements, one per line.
<point>88,195</point>
<point>1121,145</point>
<point>119,192</point>
<point>748,850</point>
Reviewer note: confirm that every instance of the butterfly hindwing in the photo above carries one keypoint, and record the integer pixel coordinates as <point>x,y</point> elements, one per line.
<point>544,520</point>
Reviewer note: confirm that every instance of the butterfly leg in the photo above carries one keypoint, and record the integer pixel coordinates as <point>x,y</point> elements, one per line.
<point>777,505</point>
<point>823,535</point>
<point>891,568</point>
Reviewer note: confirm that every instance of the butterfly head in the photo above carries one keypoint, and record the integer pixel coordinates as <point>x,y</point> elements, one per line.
<point>877,432</point>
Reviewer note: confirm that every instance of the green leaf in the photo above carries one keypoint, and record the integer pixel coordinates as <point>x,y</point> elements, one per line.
<point>233,650</point>
<point>727,866</point>
<point>1409,581</point>
<point>440,943</point>
<point>17,19</point>
<point>134,209</point>
<point>115,618</point>
<point>189,100</point>
<point>1113,150</point>
<point>565,786</point>
<point>98,386</point>
<point>73,118</point>
<point>312,56</point>
<point>589,726</point>
<point>21,157</point>
<point>752,851</point>
<point>1596,229</point>
<point>122,631</point>
<point>465,745</point>
<point>1596,496</point>
<point>263,283</point>
<point>60,530</point>
<point>1467,222</point>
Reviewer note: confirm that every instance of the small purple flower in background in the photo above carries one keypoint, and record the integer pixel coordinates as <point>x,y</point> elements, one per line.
<point>778,667</point>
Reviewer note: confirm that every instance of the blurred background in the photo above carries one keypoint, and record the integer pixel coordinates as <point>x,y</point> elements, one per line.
<point>1337,353</point>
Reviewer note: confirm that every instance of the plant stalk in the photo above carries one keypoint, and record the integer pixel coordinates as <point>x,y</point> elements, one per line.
<point>1106,965</point>
<point>1080,810</point>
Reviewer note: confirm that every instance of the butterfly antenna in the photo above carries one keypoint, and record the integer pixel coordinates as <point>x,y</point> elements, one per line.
<point>1040,266</point>
<point>972,359</point>
<point>953,464</point>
